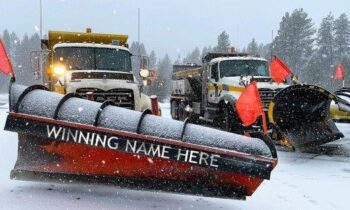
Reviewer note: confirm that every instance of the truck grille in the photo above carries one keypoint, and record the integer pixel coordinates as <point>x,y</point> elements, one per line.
<point>267,95</point>
<point>102,75</point>
<point>121,97</point>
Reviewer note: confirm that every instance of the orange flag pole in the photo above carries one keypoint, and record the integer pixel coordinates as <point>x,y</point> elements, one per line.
<point>264,123</point>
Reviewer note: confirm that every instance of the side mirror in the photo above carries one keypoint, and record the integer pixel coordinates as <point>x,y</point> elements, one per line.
<point>215,75</point>
<point>217,78</point>
<point>295,79</point>
<point>243,81</point>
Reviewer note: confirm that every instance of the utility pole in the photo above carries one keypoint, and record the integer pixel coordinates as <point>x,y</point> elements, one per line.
<point>271,45</point>
<point>41,20</point>
<point>139,47</point>
<point>40,55</point>
<point>138,31</point>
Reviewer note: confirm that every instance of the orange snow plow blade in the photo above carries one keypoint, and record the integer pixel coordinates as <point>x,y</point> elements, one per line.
<point>68,139</point>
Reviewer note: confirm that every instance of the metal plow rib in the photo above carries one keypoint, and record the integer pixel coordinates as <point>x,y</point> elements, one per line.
<point>65,138</point>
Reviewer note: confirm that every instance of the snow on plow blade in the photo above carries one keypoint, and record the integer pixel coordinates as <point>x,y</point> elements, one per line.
<point>68,139</point>
<point>301,113</point>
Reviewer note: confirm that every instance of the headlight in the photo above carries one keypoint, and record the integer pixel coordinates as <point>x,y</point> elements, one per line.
<point>144,73</point>
<point>59,70</point>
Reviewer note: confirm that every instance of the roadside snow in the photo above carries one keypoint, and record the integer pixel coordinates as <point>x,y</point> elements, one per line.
<point>300,181</point>
<point>3,100</point>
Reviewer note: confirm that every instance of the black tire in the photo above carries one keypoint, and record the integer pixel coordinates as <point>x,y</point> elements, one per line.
<point>230,121</point>
<point>174,110</point>
<point>182,113</point>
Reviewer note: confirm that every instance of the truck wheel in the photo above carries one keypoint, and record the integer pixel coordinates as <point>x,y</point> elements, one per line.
<point>230,121</point>
<point>175,110</point>
<point>182,111</point>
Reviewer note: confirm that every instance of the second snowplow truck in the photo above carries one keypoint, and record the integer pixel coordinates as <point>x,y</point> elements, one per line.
<point>299,116</point>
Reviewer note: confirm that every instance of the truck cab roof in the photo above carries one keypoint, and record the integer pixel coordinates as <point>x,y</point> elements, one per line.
<point>215,60</point>
<point>210,56</point>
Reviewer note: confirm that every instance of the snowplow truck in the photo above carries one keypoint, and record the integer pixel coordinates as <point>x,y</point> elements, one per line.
<point>94,66</point>
<point>299,116</point>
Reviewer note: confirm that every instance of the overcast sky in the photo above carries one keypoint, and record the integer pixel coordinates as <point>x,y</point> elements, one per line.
<point>167,26</point>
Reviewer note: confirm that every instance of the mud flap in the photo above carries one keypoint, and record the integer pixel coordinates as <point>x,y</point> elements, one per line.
<point>301,114</point>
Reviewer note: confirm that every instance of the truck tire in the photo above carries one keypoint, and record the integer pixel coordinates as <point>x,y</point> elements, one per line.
<point>230,121</point>
<point>182,113</point>
<point>174,110</point>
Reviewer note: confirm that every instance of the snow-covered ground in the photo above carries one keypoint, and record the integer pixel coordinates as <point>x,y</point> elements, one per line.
<point>300,181</point>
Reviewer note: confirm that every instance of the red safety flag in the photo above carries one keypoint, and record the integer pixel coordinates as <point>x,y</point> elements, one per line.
<point>5,63</point>
<point>339,72</point>
<point>249,106</point>
<point>278,70</point>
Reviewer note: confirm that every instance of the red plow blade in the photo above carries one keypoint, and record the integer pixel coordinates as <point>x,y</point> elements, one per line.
<point>68,139</point>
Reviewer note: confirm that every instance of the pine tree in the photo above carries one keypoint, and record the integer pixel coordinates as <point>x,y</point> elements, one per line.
<point>193,57</point>
<point>252,48</point>
<point>321,66</point>
<point>325,37</point>
<point>152,59</point>
<point>223,42</point>
<point>163,82</point>
<point>178,60</point>
<point>342,37</point>
<point>7,40</point>
<point>205,51</point>
<point>15,43</point>
<point>294,42</point>
<point>265,51</point>
<point>23,67</point>
<point>325,50</point>
<point>136,50</point>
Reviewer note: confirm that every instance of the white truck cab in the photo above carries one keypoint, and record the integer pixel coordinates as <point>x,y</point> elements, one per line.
<point>104,71</point>
<point>229,75</point>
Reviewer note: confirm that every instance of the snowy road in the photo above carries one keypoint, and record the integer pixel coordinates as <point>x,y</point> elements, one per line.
<point>300,181</point>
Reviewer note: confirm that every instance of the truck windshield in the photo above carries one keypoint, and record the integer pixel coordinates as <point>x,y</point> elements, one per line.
<point>89,58</point>
<point>233,68</point>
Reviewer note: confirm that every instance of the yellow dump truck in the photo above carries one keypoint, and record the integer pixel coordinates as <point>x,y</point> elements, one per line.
<point>92,65</point>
